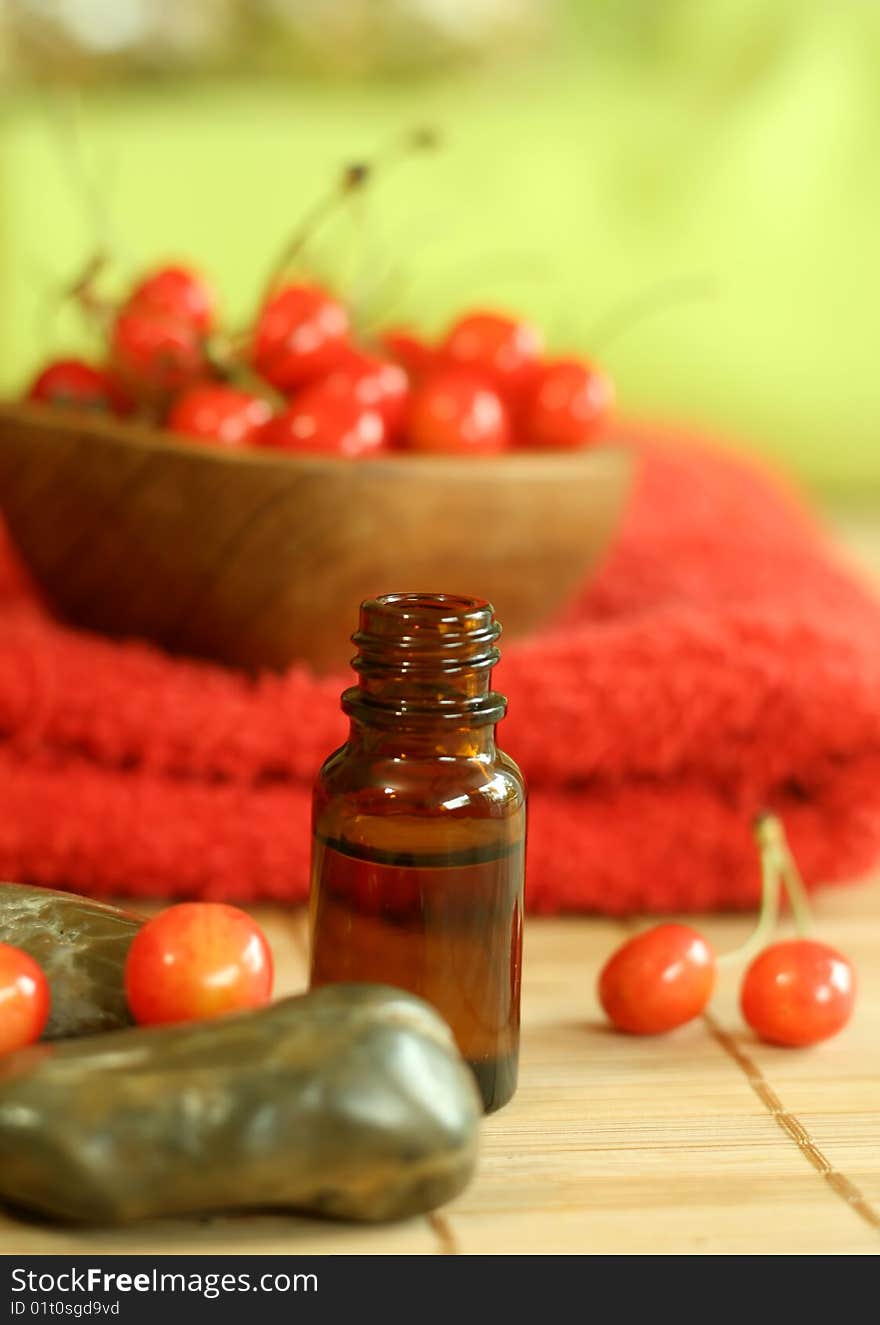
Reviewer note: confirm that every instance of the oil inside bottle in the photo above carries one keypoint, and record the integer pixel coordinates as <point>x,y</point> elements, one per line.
<point>444,925</point>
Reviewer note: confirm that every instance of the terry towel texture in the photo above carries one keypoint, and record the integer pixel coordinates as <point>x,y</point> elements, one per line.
<point>719,663</point>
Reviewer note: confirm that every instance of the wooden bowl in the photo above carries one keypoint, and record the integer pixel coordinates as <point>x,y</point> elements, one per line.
<point>256,558</point>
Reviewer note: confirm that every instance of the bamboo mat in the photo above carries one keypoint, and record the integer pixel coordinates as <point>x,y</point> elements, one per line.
<point>705,1141</point>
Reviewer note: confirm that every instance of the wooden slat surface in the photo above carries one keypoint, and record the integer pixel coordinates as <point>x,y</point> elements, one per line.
<point>704,1141</point>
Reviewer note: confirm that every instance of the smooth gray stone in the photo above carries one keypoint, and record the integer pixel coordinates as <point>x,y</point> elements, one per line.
<point>350,1101</point>
<point>81,946</point>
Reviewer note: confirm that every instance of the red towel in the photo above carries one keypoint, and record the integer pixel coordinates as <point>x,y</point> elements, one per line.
<point>719,663</point>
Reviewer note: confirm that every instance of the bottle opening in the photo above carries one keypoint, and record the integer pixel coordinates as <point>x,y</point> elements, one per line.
<point>445,623</point>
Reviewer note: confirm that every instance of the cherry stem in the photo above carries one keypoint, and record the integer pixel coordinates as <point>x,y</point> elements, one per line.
<point>771,888</point>
<point>778,869</point>
<point>772,841</point>
<point>82,291</point>
<point>351,181</point>
<point>88,188</point>
<point>797,894</point>
<point>223,356</point>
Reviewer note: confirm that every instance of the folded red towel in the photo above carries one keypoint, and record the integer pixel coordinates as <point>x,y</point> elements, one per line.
<point>719,663</point>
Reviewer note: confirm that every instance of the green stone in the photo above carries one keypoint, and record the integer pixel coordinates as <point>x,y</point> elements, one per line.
<point>351,1101</point>
<point>81,946</point>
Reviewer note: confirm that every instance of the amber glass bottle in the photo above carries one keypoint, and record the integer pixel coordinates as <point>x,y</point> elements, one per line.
<point>419,829</point>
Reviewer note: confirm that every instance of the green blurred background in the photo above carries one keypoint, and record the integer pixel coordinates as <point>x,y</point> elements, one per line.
<point>713,161</point>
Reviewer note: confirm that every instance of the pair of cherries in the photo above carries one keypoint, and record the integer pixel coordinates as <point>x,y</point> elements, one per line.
<point>156,347</point>
<point>190,962</point>
<point>793,993</point>
<point>302,383</point>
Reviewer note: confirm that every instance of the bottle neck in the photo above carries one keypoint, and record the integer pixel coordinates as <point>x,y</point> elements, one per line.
<point>404,742</point>
<point>424,666</point>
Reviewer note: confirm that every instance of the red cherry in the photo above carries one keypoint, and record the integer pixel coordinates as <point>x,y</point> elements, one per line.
<point>322,422</point>
<point>197,960</point>
<point>24,999</point>
<point>453,412</point>
<point>299,336</point>
<point>177,292</point>
<point>155,356</point>
<point>410,351</point>
<point>657,980</point>
<point>500,349</point>
<point>798,992</point>
<point>218,413</point>
<point>568,405</point>
<point>373,383</point>
<point>74,384</point>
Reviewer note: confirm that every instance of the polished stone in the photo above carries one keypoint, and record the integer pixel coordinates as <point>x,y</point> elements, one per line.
<point>351,1101</point>
<point>81,946</point>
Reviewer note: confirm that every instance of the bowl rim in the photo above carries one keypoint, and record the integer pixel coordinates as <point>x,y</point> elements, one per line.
<point>525,465</point>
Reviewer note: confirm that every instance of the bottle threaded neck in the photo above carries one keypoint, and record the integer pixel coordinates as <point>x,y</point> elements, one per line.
<point>425,657</point>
